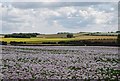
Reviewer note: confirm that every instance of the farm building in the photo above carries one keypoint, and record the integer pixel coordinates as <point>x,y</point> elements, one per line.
<point>1,36</point>
<point>52,36</point>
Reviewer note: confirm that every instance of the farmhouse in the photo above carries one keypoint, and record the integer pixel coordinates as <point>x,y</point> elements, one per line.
<point>52,36</point>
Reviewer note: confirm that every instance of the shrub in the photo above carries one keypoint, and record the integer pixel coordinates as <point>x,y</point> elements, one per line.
<point>3,43</point>
<point>16,43</point>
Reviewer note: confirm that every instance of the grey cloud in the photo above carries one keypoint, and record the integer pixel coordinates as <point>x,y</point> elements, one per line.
<point>9,27</point>
<point>28,5</point>
<point>11,19</point>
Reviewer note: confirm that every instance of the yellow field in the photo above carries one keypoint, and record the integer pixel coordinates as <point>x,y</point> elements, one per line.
<point>40,40</point>
<point>35,40</point>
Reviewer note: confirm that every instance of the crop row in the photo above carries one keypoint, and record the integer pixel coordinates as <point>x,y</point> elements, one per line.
<point>19,62</point>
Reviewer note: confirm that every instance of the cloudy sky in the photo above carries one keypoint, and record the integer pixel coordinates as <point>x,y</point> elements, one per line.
<point>53,17</point>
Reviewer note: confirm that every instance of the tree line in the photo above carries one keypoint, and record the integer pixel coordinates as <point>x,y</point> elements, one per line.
<point>21,35</point>
<point>29,35</point>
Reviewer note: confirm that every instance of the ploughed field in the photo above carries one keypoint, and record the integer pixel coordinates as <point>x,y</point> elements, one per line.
<point>60,62</point>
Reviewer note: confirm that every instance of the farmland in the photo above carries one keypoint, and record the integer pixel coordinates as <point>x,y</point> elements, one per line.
<point>79,57</point>
<point>61,39</point>
<point>60,62</point>
<point>35,40</point>
<point>40,40</point>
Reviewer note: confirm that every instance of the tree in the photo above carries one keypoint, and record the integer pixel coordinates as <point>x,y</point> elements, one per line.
<point>117,31</point>
<point>70,35</point>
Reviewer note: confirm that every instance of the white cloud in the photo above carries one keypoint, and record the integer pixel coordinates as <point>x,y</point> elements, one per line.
<point>53,20</point>
<point>47,12</point>
<point>99,17</point>
<point>68,11</point>
<point>112,9</point>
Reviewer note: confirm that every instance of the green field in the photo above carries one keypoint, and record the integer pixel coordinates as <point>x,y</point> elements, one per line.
<point>36,40</point>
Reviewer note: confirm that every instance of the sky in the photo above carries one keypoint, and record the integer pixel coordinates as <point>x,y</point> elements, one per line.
<point>52,17</point>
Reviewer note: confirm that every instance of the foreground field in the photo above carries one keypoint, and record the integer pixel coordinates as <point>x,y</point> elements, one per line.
<point>40,40</point>
<point>60,62</point>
